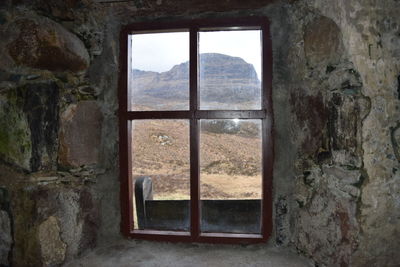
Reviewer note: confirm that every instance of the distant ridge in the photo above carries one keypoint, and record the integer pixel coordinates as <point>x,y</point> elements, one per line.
<point>223,79</point>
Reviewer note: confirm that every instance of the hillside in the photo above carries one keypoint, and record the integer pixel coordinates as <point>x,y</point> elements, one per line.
<point>230,164</point>
<point>223,79</point>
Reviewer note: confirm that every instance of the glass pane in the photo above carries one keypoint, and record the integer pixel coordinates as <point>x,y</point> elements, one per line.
<point>230,176</point>
<point>161,174</point>
<point>230,70</point>
<point>159,71</point>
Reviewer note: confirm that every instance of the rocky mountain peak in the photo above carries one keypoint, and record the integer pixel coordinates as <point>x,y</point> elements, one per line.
<point>222,79</point>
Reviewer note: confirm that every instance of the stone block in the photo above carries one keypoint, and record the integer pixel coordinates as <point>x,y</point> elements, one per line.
<point>29,131</point>
<point>52,247</point>
<point>345,176</point>
<point>80,134</point>
<point>344,123</point>
<point>322,42</point>
<point>6,239</point>
<point>53,223</point>
<point>328,221</point>
<point>41,108</point>
<point>15,135</point>
<point>39,42</point>
<point>311,120</point>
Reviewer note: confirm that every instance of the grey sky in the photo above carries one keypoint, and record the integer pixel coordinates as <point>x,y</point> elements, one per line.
<point>161,51</point>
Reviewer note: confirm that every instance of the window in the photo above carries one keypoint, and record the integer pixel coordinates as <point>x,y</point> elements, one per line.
<point>196,130</point>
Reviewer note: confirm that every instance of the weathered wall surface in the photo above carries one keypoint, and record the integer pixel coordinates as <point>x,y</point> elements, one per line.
<point>336,111</point>
<point>349,214</point>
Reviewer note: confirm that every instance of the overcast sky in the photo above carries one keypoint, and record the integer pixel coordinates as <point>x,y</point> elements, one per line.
<point>161,51</point>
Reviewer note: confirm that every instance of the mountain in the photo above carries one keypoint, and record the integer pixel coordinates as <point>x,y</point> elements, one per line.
<point>224,81</point>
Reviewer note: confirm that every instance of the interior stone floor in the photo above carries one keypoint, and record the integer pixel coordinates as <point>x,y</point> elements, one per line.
<point>152,254</point>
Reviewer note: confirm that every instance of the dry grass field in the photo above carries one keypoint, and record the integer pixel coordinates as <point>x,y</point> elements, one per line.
<point>230,164</point>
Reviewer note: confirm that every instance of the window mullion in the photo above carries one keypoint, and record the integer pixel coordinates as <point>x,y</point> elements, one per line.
<point>194,137</point>
<point>144,115</point>
<point>193,69</point>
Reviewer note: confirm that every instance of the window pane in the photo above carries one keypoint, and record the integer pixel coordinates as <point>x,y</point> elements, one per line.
<point>230,70</point>
<point>159,71</point>
<point>161,154</point>
<point>230,176</point>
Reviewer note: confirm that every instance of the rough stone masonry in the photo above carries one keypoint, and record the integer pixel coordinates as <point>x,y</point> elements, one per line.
<point>336,104</point>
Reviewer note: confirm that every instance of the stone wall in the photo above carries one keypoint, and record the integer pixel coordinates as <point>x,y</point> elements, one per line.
<point>50,133</point>
<point>336,111</point>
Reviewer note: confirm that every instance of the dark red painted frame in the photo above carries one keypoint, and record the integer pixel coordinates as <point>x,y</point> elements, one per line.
<point>193,114</point>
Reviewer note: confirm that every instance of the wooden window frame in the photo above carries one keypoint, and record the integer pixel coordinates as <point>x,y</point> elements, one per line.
<point>194,115</point>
